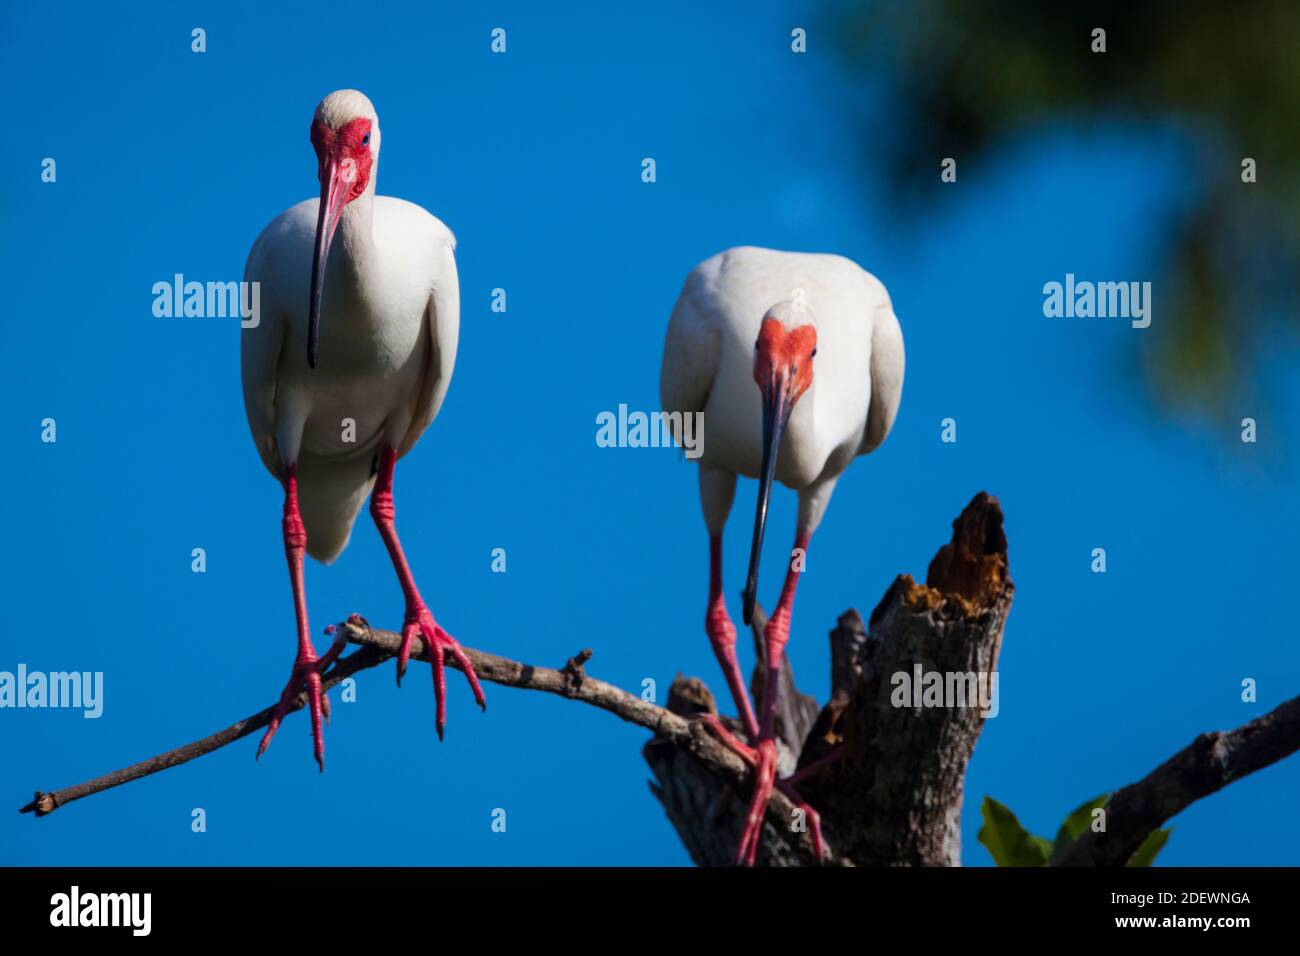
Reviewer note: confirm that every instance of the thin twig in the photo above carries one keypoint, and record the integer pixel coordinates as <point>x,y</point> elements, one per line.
<point>44,803</point>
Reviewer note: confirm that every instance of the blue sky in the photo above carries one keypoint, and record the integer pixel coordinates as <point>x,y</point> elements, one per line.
<point>170,161</point>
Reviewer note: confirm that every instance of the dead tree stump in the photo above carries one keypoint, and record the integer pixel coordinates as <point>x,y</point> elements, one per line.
<point>894,795</point>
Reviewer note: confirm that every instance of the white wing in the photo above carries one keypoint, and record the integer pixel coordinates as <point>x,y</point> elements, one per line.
<point>886,377</point>
<point>259,355</point>
<point>692,350</point>
<point>442,329</point>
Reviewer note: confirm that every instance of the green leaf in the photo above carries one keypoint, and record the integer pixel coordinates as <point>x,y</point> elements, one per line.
<point>1009,842</point>
<point>1045,847</point>
<point>1146,853</point>
<point>1076,824</point>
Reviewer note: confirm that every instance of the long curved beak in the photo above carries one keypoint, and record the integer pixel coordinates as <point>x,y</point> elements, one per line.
<point>333,189</point>
<point>776,412</point>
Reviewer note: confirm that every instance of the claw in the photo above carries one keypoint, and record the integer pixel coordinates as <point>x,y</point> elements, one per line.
<point>437,644</point>
<point>305,677</point>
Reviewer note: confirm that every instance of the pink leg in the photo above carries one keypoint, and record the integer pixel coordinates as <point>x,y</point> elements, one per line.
<point>777,634</point>
<point>418,618</point>
<point>306,668</point>
<point>722,635</point>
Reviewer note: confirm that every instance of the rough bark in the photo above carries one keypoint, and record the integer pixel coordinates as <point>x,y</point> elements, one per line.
<point>893,795</point>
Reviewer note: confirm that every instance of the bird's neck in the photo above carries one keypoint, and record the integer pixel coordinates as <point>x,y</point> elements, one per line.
<point>802,428</point>
<point>356,236</point>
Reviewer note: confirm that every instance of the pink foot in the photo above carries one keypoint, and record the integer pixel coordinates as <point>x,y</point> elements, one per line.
<point>764,778</point>
<point>305,675</point>
<point>763,760</point>
<point>438,643</point>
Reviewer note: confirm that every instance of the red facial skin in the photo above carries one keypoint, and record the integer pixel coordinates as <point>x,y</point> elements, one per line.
<point>344,168</point>
<point>344,147</point>
<point>787,354</point>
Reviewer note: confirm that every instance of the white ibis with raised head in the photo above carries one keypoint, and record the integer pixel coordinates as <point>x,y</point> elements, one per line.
<point>796,362</point>
<point>346,368</point>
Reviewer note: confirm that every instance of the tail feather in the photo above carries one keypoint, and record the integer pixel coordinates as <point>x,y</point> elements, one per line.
<point>330,495</point>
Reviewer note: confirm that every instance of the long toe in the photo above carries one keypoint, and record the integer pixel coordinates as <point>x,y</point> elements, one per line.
<point>277,715</point>
<point>265,742</point>
<point>409,630</point>
<point>728,739</point>
<point>764,777</point>
<point>466,667</point>
<point>305,676</point>
<point>437,644</point>
<point>439,683</point>
<point>314,697</point>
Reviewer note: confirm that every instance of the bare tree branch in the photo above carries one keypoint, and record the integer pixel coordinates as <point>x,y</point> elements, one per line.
<point>1208,764</point>
<point>45,803</point>
<point>377,646</point>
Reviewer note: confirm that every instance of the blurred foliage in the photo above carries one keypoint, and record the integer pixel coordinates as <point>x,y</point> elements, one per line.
<point>1010,844</point>
<point>962,77</point>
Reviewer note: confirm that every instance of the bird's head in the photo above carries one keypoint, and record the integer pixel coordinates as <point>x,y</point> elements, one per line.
<point>783,371</point>
<point>345,135</point>
<point>783,354</point>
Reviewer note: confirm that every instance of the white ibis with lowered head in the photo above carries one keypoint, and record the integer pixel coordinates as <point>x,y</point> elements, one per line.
<point>346,368</point>
<point>818,337</point>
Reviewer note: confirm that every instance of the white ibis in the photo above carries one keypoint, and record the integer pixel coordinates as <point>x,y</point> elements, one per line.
<point>740,349</point>
<point>332,412</point>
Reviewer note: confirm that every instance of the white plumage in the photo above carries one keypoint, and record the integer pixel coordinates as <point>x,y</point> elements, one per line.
<point>796,362</point>
<point>390,317</point>
<point>708,366</point>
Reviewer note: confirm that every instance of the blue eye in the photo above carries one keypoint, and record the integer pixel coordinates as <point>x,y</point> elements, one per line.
<point>365,140</point>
